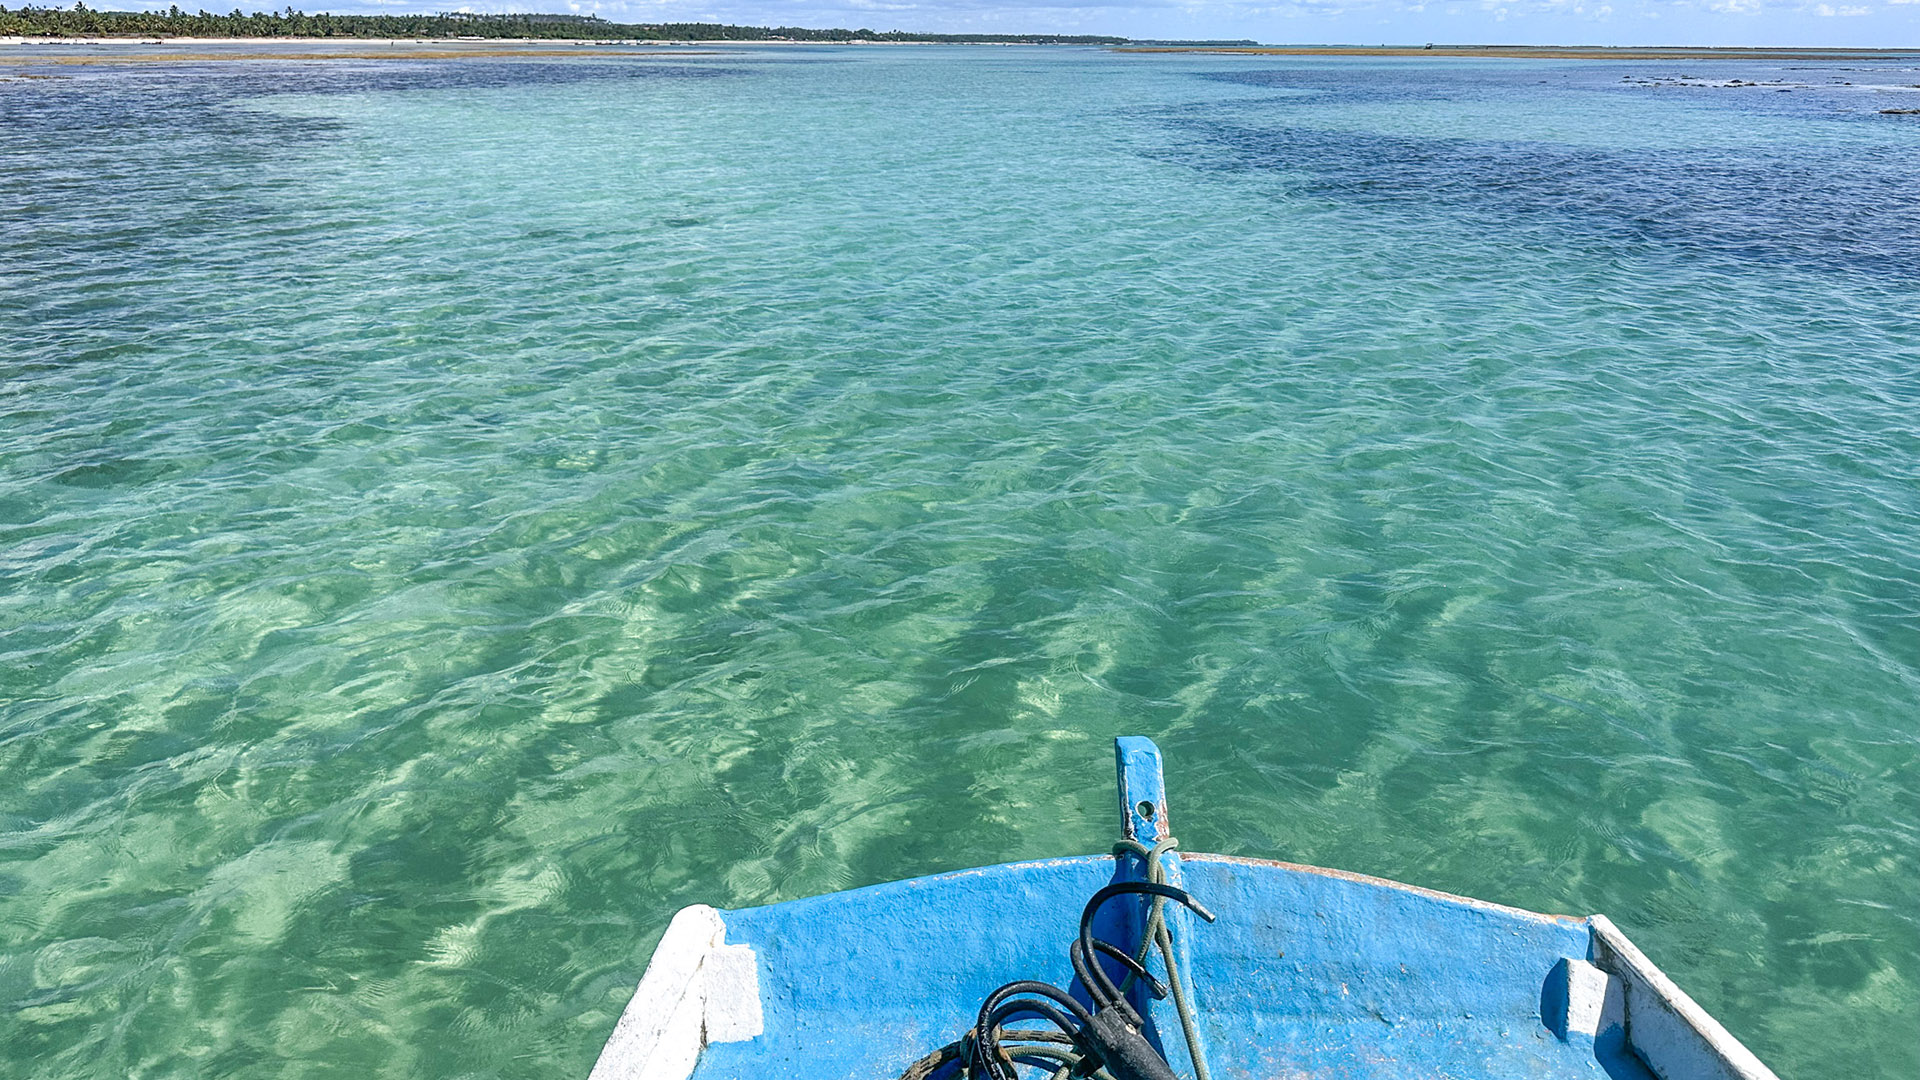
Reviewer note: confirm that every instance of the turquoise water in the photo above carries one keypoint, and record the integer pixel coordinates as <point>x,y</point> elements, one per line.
<point>454,513</point>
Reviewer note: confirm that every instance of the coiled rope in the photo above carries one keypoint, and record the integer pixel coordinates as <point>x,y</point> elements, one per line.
<point>1045,1048</point>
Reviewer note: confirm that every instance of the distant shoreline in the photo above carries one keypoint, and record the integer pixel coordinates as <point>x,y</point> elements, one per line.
<point>343,54</point>
<point>120,49</point>
<point>82,22</point>
<point>462,46</point>
<point>678,45</point>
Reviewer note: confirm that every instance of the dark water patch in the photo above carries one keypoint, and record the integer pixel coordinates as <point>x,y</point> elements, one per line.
<point>161,84</point>
<point>1838,207</point>
<point>119,472</point>
<point>105,141</point>
<point>1340,84</point>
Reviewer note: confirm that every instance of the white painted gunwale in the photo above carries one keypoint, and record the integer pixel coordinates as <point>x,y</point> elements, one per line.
<point>1669,1031</point>
<point>697,990</point>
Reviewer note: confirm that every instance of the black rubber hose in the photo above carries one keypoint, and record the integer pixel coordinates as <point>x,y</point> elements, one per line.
<point>1100,988</point>
<point>1019,1006</point>
<point>1038,989</point>
<point>987,1048</point>
<point>1096,986</point>
<point>1158,988</point>
<point>981,1026</point>
<point>1105,987</point>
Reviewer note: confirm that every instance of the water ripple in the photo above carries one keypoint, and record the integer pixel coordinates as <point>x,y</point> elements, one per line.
<point>453,514</point>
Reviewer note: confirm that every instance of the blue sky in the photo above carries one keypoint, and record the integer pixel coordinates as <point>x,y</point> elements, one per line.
<point>1858,23</point>
<point>1850,23</point>
<point>1835,23</point>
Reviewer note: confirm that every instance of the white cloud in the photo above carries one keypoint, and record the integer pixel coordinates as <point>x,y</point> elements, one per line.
<point>1828,11</point>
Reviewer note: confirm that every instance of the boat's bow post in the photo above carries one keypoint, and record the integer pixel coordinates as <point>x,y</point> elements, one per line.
<point>1143,819</point>
<point>1143,804</point>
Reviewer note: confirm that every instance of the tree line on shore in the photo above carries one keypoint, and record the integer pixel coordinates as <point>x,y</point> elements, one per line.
<point>82,21</point>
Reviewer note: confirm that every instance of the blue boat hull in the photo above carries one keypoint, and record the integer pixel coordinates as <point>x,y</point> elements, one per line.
<point>1306,973</point>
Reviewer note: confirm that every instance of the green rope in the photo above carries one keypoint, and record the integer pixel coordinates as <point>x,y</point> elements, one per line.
<point>1157,934</point>
<point>1063,1060</point>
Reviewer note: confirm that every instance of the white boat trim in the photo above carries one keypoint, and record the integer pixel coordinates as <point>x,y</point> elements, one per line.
<point>697,990</point>
<point>1670,1032</point>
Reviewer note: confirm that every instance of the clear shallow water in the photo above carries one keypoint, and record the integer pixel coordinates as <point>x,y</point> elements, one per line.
<point>453,514</point>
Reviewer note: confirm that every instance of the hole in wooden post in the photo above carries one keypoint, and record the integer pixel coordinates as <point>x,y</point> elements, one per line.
<point>1146,809</point>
